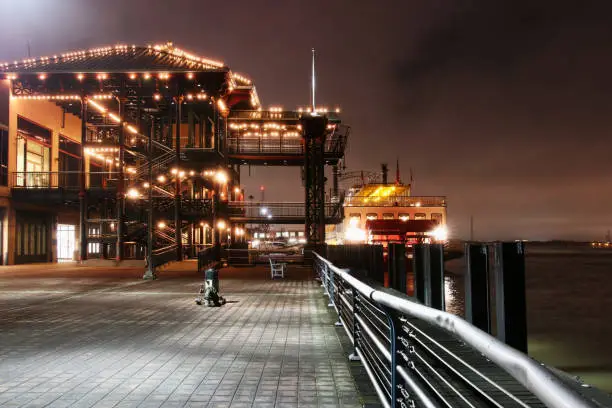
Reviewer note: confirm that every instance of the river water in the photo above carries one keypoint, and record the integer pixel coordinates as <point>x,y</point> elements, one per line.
<point>569,309</point>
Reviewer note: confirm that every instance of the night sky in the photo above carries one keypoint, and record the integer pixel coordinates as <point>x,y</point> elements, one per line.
<point>503,106</point>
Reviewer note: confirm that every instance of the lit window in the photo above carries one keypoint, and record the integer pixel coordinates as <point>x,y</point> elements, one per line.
<point>420,216</point>
<point>388,216</point>
<point>404,216</point>
<point>371,216</point>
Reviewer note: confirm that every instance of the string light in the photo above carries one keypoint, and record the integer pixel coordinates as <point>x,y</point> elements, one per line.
<point>132,76</point>
<point>190,75</point>
<point>221,105</point>
<point>48,97</point>
<point>80,77</point>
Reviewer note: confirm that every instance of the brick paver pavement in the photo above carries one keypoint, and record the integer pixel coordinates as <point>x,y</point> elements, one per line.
<point>100,337</point>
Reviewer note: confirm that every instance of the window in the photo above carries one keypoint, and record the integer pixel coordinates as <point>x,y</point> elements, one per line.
<point>3,155</point>
<point>388,216</point>
<point>69,162</point>
<point>371,216</point>
<point>420,216</point>
<point>33,154</point>
<point>355,216</point>
<point>437,217</point>
<point>404,216</point>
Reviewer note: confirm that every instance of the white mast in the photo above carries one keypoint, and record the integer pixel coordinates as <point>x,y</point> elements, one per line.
<point>313,82</point>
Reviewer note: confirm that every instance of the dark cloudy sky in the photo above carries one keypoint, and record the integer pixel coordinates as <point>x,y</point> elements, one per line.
<point>503,106</point>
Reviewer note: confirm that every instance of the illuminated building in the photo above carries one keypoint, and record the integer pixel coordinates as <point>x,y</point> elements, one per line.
<point>109,152</point>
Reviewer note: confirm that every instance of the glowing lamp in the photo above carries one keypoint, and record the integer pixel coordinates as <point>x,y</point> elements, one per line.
<point>439,233</point>
<point>221,177</point>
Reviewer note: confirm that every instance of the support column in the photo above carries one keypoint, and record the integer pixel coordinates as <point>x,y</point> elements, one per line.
<point>177,194</point>
<point>82,187</point>
<point>150,272</point>
<point>477,304</point>
<point>120,183</point>
<point>511,303</point>
<point>335,174</point>
<point>314,130</point>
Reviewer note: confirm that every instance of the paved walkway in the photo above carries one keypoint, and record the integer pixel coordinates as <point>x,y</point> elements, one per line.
<point>93,337</point>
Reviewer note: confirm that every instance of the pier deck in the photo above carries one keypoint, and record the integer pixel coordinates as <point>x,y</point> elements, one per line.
<point>99,337</point>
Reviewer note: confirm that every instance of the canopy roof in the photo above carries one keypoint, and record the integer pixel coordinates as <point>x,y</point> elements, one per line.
<point>143,71</point>
<point>118,58</point>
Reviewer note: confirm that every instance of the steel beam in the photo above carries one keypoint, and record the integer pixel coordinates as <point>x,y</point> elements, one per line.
<point>314,129</point>
<point>177,194</point>
<point>82,185</point>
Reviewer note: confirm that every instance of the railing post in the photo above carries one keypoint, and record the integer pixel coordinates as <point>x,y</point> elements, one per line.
<point>477,304</point>
<point>330,285</point>
<point>394,402</point>
<point>354,356</point>
<point>510,294</point>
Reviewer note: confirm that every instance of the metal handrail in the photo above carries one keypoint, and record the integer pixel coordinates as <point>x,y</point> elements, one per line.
<point>338,284</point>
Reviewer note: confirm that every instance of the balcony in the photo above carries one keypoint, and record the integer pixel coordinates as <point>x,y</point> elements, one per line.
<point>279,212</point>
<point>281,150</point>
<point>394,201</point>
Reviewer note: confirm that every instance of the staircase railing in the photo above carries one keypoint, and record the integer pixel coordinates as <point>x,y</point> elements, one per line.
<point>161,256</point>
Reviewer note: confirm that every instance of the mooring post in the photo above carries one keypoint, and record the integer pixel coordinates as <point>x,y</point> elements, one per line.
<point>436,276</point>
<point>421,268</point>
<point>477,304</point>
<point>397,267</point>
<point>377,267</point>
<point>511,304</point>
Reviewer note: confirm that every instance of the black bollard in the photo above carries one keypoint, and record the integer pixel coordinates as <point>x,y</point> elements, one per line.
<point>477,304</point>
<point>436,276</point>
<point>420,266</point>
<point>397,267</point>
<point>377,267</point>
<point>511,304</point>
<point>428,266</point>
